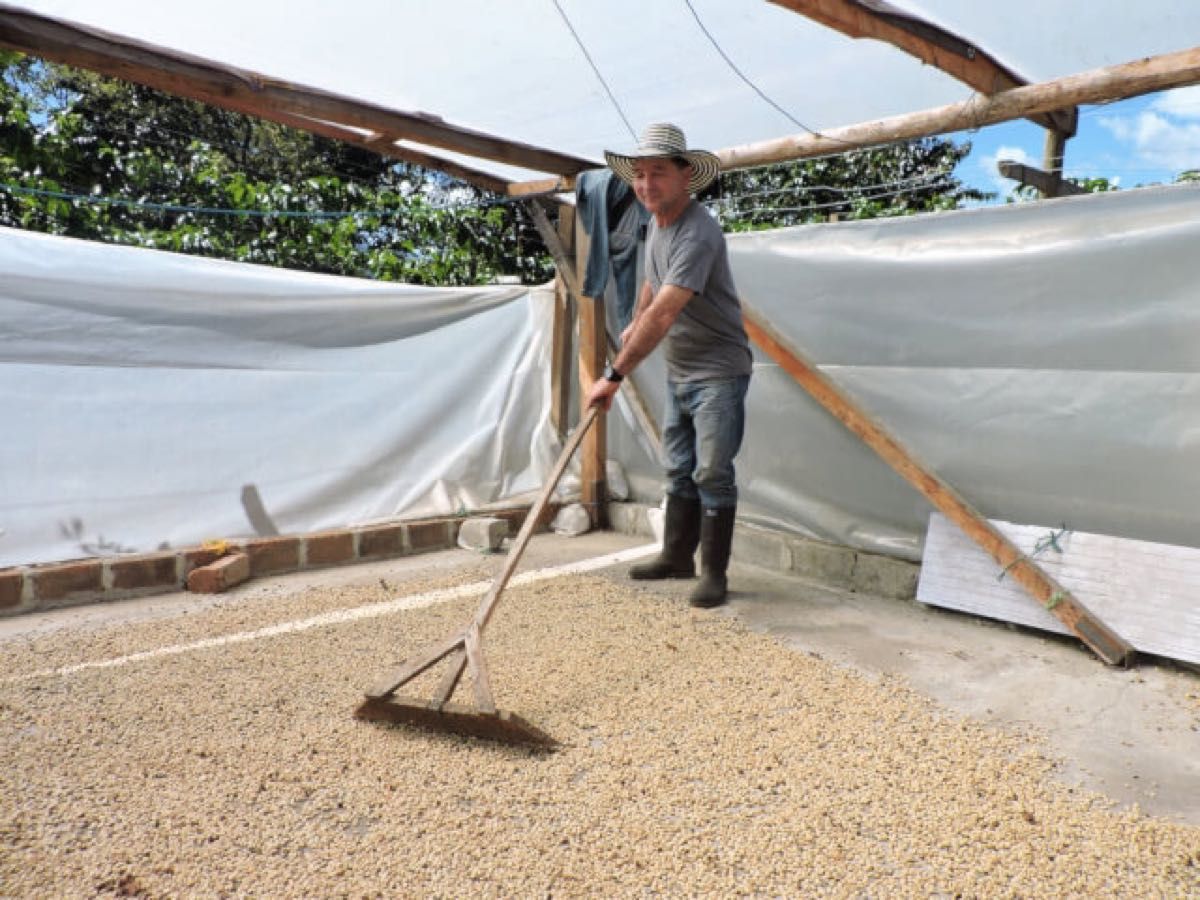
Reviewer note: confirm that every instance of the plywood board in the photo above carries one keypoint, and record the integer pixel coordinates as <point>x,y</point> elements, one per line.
<point>1147,593</point>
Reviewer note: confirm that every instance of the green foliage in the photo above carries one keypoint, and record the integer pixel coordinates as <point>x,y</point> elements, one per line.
<point>157,171</point>
<point>898,180</point>
<point>95,158</point>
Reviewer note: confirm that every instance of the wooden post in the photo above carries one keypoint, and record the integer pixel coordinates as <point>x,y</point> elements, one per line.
<point>1054,152</point>
<point>564,331</point>
<point>566,271</point>
<point>593,350</point>
<point>1052,159</point>
<point>1109,646</point>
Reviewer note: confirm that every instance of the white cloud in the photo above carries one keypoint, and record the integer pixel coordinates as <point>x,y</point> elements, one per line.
<point>1180,103</point>
<point>1158,137</point>
<point>990,166</point>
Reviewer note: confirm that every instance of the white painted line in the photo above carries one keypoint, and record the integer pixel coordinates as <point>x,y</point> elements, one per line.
<point>339,616</point>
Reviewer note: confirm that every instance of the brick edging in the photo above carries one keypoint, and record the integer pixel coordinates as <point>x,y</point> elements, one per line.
<point>25,589</point>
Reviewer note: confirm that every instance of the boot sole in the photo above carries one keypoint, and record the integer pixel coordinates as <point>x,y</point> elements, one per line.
<point>668,577</point>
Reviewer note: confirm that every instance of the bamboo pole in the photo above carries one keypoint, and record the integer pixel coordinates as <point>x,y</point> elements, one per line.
<point>1143,76</point>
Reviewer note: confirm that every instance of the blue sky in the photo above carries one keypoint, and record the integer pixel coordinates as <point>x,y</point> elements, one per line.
<point>1133,142</point>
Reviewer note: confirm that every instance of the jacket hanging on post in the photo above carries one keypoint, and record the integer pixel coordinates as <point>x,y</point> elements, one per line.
<point>615,221</point>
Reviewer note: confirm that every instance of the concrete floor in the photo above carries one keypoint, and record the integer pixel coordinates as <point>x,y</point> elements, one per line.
<point>1130,734</point>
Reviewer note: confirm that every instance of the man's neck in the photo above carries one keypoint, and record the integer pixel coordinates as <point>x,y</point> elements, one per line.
<point>671,216</point>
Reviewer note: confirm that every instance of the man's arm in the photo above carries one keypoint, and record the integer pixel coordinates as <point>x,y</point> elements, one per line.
<point>644,334</point>
<point>645,295</point>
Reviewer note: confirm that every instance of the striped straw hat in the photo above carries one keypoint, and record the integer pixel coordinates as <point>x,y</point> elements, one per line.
<point>664,140</point>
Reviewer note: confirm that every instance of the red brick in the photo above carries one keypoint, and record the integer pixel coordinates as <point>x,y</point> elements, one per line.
<point>221,575</point>
<point>381,540</point>
<point>271,555</point>
<point>429,535</point>
<point>197,557</point>
<point>150,571</point>
<point>329,549</point>
<point>11,583</point>
<point>59,582</point>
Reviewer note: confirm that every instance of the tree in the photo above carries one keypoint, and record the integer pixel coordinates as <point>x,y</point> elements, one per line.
<point>101,159</point>
<point>95,158</point>
<point>898,180</point>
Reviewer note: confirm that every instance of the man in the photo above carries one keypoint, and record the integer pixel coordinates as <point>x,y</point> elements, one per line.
<point>689,303</point>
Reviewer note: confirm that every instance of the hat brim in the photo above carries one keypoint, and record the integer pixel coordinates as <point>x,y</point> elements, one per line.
<point>705,166</point>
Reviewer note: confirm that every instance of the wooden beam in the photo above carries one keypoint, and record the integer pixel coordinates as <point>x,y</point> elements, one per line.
<point>930,43</point>
<point>256,94</point>
<point>1109,646</point>
<point>1048,183</point>
<point>1143,76</point>
<point>386,146</point>
<point>564,185</point>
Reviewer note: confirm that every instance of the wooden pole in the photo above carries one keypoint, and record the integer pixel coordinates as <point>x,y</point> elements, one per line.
<point>255,93</point>
<point>928,42</point>
<point>1109,646</point>
<point>1054,151</point>
<point>564,328</point>
<point>1142,76</point>
<point>593,350</point>
<point>566,271</point>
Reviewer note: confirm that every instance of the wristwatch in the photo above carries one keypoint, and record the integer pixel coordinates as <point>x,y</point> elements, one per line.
<point>613,375</point>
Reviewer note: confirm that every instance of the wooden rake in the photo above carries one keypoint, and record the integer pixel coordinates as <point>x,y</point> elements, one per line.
<point>464,649</point>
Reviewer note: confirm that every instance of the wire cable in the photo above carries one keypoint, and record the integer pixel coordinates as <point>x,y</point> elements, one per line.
<point>250,213</point>
<point>596,69</point>
<point>777,210</point>
<point>754,87</point>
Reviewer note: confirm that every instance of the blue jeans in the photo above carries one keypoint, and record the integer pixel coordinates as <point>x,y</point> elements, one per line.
<point>702,432</point>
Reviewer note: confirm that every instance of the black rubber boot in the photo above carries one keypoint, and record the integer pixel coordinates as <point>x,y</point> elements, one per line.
<point>716,537</point>
<point>681,536</point>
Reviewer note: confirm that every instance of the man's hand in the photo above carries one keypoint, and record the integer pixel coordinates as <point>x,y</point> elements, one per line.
<point>602,394</point>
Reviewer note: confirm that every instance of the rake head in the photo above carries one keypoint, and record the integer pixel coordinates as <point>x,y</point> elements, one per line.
<point>453,718</point>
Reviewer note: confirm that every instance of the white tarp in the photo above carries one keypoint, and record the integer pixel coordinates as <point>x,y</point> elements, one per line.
<point>1042,358</point>
<point>152,399</point>
<point>514,69</point>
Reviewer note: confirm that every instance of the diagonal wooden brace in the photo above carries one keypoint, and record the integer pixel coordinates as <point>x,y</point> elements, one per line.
<point>1108,645</point>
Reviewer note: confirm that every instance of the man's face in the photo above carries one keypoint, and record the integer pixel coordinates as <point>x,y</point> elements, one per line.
<point>660,184</point>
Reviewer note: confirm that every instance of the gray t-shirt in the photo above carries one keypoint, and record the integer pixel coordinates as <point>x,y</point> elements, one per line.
<point>707,340</point>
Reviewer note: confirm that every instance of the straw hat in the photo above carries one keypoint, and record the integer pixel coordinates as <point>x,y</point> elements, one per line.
<point>659,141</point>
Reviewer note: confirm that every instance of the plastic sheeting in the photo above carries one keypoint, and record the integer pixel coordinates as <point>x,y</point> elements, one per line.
<point>1044,359</point>
<point>514,69</point>
<point>152,400</point>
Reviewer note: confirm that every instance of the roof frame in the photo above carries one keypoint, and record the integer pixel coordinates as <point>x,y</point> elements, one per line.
<point>318,111</point>
<point>930,43</point>
<point>1141,76</point>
